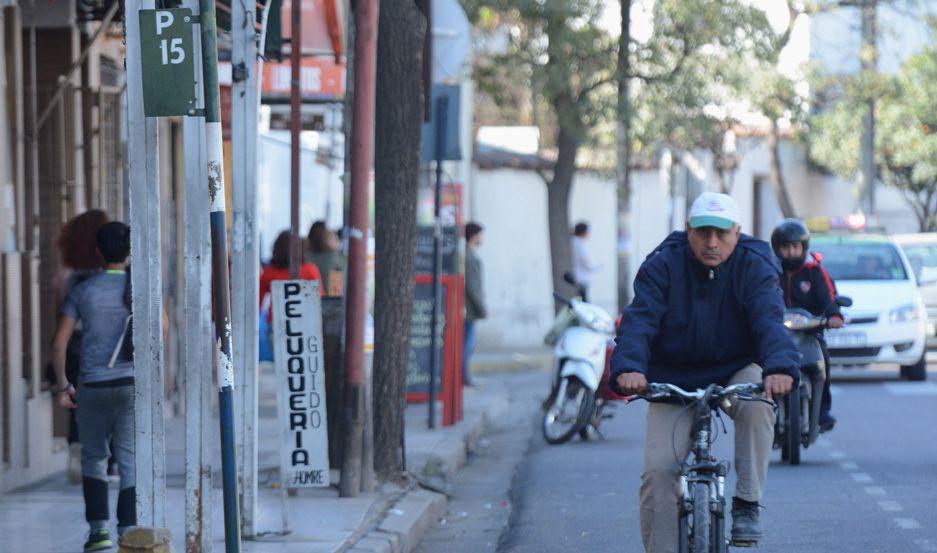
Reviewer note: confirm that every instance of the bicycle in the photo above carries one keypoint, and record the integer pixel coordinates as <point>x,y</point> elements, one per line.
<point>702,510</point>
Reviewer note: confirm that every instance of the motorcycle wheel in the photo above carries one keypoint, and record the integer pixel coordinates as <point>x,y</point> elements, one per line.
<point>701,518</point>
<point>589,431</point>
<point>794,410</point>
<point>569,412</point>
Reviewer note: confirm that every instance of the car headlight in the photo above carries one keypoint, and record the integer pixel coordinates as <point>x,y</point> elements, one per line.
<point>904,313</point>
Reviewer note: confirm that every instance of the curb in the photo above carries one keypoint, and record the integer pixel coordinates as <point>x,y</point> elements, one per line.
<point>404,523</point>
<point>512,362</point>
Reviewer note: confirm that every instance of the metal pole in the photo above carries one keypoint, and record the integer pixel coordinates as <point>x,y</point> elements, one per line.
<point>296,120</point>
<point>437,257</point>
<point>362,154</point>
<point>143,161</point>
<point>220,286</point>
<point>869,60</point>
<point>245,272</point>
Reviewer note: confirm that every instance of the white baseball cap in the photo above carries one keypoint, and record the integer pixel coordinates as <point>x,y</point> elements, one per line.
<point>712,209</point>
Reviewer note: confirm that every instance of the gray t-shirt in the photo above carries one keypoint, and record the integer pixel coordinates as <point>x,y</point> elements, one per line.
<point>99,304</point>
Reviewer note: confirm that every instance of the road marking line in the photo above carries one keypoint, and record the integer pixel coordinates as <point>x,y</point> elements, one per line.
<point>926,545</point>
<point>837,455</point>
<point>908,523</point>
<point>848,465</point>
<point>912,388</point>
<point>861,477</point>
<point>875,490</point>
<point>890,506</point>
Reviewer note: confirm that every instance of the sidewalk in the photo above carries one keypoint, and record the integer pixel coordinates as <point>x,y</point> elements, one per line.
<point>49,516</point>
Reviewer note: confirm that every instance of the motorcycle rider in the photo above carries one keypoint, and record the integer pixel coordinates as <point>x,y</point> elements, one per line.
<point>707,309</point>
<point>807,285</point>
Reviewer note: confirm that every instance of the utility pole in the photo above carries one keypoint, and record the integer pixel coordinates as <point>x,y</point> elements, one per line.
<point>147,283</point>
<point>220,285</point>
<point>362,154</point>
<point>868,56</point>
<point>245,109</point>
<point>296,120</point>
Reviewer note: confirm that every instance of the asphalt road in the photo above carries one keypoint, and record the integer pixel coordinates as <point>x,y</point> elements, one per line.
<point>868,486</point>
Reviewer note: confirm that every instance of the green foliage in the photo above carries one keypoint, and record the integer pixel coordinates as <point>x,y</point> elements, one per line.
<point>905,139</point>
<point>558,51</point>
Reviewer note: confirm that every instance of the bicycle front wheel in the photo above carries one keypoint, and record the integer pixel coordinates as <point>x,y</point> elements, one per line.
<point>702,517</point>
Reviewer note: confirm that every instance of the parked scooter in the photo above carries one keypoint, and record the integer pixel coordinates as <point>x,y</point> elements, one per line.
<point>799,412</point>
<point>581,335</point>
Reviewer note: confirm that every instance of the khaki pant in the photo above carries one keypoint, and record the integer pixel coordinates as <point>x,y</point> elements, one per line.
<point>668,434</point>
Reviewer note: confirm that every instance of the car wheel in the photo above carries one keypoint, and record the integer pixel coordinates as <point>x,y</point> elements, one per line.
<point>917,371</point>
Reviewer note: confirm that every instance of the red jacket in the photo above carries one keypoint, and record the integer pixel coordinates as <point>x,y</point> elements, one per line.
<point>810,287</point>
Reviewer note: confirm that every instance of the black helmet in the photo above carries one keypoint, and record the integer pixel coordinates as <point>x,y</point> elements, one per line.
<point>789,232</point>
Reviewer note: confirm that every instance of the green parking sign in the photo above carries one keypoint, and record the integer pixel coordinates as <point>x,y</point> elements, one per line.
<point>168,53</point>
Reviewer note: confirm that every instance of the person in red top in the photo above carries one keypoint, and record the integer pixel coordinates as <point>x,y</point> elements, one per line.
<point>807,285</point>
<point>279,269</point>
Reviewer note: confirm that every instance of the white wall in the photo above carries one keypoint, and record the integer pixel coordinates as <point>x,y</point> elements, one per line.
<point>512,207</point>
<point>321,190</point>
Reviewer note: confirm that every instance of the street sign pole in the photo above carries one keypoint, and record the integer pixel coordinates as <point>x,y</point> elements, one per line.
<point>440,142</point>
<point>221,290</point>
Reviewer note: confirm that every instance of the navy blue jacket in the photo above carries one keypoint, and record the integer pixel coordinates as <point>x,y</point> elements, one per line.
<point>692,326</point>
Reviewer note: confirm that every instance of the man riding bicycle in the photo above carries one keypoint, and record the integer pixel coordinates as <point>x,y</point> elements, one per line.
<point>807,285</point>
<point>707,309</point>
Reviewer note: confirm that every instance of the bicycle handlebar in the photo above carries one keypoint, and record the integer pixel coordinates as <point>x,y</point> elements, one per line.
<point>745,392</point>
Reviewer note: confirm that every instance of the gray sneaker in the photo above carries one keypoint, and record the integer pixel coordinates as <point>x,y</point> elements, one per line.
<point>745,525</point>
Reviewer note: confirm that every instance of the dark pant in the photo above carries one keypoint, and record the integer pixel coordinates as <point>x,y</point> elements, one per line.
<point>105,417</point>
<point>468,346</point>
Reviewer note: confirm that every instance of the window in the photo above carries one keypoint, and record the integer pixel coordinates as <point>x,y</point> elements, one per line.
<point>861,261</point>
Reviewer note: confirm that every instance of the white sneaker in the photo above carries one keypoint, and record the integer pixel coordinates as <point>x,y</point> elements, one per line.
<point>74,463</point>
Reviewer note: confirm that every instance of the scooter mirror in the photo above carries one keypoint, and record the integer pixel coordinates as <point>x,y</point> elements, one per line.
<point>843,301</point>
<point>568,277</point>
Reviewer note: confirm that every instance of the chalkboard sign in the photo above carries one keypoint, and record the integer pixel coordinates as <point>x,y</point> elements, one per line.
<point>423,262</point>
<point>418,365</point>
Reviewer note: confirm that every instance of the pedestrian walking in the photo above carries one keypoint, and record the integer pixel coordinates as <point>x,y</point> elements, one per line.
<point>584,265</point>
<point>324,249</point>
<point>474,295</point>
<point>279,269</point>
<point>79,259</point>
<point>103,398</point>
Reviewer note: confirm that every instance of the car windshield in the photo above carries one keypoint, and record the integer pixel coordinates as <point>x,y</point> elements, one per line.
<point>861,261</point>
<point>923,259</point>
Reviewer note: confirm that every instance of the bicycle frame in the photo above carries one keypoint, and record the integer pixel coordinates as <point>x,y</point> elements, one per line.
<point>705,468</point>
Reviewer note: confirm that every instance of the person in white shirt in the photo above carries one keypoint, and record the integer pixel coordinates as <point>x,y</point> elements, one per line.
<point>584,265</point>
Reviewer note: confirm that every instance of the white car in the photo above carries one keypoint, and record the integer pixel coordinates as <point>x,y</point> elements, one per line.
<point>887,322</point>
<point>921,251</point>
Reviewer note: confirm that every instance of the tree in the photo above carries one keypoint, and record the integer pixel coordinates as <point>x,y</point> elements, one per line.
<point>399,118</point>
<point>905,143</point>
<point>562,50</point>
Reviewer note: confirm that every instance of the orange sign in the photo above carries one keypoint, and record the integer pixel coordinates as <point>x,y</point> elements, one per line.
<point>319,79</point>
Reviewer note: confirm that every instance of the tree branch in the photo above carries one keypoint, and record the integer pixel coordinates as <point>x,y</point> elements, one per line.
<point>684,55</point>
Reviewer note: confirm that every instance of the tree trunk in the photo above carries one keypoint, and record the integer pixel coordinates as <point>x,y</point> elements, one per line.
<point>397,165</point>
<point>558,208</point>
<point>777,176</point>
<point>623,147</point>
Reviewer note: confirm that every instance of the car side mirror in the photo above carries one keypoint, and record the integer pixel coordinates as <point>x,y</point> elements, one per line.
<point>844,301</point>
<point>926,281</point>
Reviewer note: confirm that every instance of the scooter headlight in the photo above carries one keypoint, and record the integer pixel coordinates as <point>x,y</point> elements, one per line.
<point>796,321</point>
<point>601,323</point>
<point>904,313</point>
